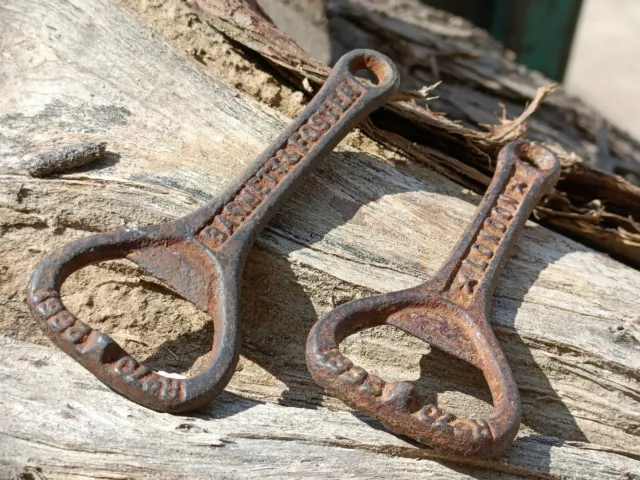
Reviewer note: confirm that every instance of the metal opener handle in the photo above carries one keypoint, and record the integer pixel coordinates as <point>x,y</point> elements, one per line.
<point>202,255</point>
<point>449,311</point>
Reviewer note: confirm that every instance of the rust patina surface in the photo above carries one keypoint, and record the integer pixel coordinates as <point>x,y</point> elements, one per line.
<point>202,255</point>
<point>449,311</point>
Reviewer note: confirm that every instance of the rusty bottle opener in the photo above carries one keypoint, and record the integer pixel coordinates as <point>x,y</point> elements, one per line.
<point>202,254</point>
<point>449,311</point>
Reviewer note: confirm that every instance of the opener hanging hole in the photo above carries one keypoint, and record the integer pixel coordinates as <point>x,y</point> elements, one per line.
<point>366,76</point>
<point>369,71</point>
<point>536,156</point>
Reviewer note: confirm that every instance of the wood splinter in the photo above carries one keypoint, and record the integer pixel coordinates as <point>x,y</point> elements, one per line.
<point>65,158</point>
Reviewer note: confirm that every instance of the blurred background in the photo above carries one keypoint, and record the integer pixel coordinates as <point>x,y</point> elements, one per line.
<point>604,64</point>
<point>591,45</point>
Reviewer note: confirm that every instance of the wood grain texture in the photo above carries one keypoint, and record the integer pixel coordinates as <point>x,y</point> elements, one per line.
<point>367,221</point>
<point>84,430</point>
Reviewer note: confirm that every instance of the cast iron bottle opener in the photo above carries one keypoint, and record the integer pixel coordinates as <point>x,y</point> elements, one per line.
<point>449,311</point>
<point>202,254</point>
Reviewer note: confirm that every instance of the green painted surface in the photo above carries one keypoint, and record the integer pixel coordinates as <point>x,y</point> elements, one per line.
<point>539,31</point>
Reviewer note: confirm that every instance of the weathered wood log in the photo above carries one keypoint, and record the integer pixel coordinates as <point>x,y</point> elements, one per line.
<point>440,126</point>
<point>368,221</point>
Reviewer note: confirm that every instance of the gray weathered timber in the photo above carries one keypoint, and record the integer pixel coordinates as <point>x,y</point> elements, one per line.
<point>368,221</point>
<point>237,438</point>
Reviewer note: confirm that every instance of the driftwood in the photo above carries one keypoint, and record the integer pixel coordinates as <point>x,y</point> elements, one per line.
<point>370,220</point>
